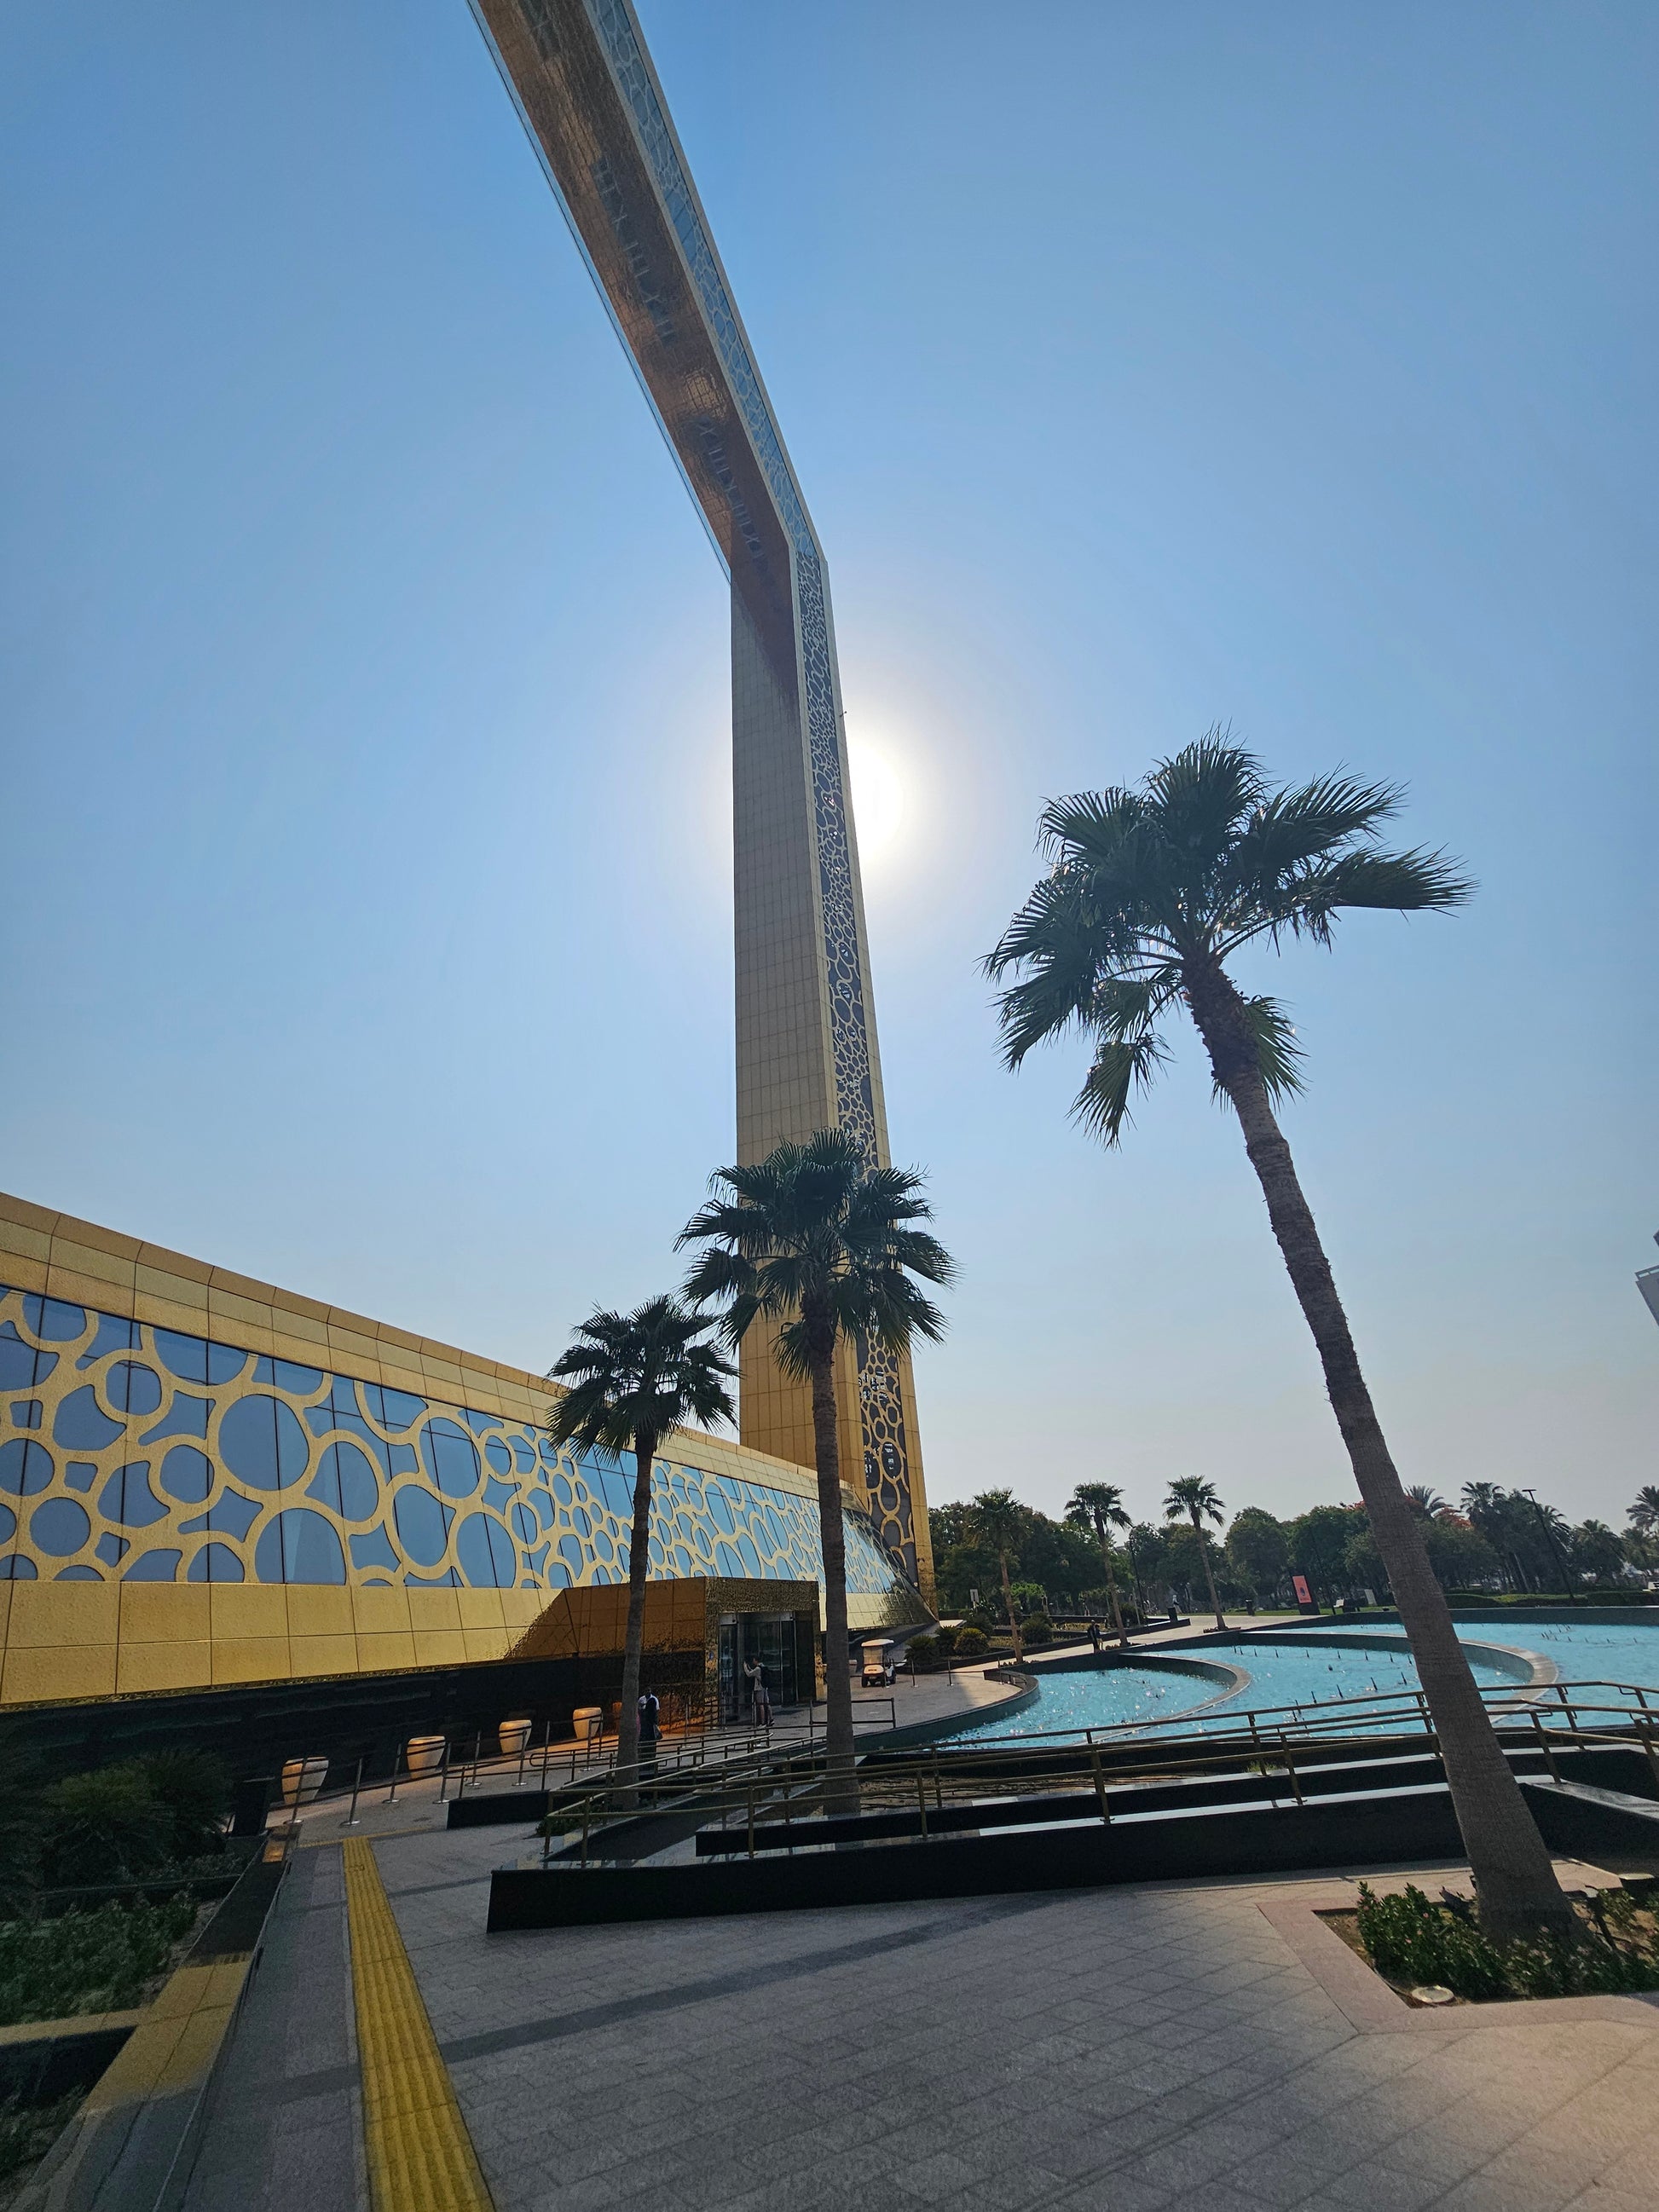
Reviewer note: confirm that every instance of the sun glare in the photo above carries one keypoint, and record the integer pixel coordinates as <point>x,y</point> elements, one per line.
<point>877,798</point>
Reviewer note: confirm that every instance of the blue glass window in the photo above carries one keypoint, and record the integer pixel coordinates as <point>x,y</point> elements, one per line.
<point>15,1568</point>
<point>299,1547</point>
<point>402,1410</point>
<point>498,1455</point>
<point>562,1491</point>
<point>346,1480</point>
<point>571,1551</point>
<point>112,1335</point>
<point>77,1575</point>
<point>185,1417</point>
<point>480,1423</point>
<point>194,1359</point>
<point>111,1548</point>
<point>160,1566</point>
<point>232,1515</point>
<point>261,1442</point>
<point>8,1524</point>
<point>60,1526</point>
<point>82,1425</point>
<point>187,1475</point>
<point>21,1365</point>
<point>524,1456</point>
<point>286,1375</point>
<point>132,1388</point>
<point>51,1319</point>
<point>485,1551</point>
<point>25,1467</point>
<point>215,1563</point>
<point>422,1525</point>
<point>373,1550</point>
<point>127,1496</point>
<point>26,1414</point>
<point>403,1459</point>
<point>526,1524</point>
<point>451,1458</point>
<point>499,1495</point>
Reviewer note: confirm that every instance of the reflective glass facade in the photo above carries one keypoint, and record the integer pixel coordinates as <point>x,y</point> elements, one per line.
<point>138,1453</point>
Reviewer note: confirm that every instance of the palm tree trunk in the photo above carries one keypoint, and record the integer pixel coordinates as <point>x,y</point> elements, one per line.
<point>1111,1586</point>
<point>1008,1608</point>
<point>639,1561</point>
<point>841,1793</point>
<point>1209,1573</point>
<point>1514,1877</point>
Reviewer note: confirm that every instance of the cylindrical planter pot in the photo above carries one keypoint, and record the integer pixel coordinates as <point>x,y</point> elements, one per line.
<point>424,1754</point>
<point>588,1723</point>
<point>513,1736</point>
<point>303,1780</point>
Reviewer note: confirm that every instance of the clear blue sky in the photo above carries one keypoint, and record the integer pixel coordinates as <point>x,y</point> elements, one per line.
<point>367,860</point>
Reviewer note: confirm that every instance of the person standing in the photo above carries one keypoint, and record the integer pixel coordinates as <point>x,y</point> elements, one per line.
<point>650,1729</point>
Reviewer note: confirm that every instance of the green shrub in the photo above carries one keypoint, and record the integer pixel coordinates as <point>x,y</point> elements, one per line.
<point>971,1642</point>
<point>1038,1630</point>
<point>1410,1940</point>
<point>194,1787</point>
<point>107,1825</point>
<point>99,1961</point>
<point>922,1652</point>
<point>27,2132</point>
<point>945,1639</point>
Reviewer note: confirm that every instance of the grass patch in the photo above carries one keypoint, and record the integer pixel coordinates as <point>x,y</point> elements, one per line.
<point>106,1961</point>
<point>1414,1941</point>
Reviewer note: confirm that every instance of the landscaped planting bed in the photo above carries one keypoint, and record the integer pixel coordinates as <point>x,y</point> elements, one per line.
<point>1435,1953</point>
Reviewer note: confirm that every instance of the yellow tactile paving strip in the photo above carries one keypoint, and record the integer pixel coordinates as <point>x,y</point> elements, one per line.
<point>420,2157</point>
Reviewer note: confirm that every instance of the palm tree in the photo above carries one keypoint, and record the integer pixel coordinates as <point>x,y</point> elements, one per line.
<point>1644,1510</point>
<point>820,1243</point>
<point>1099,1506</point>
<point>1426,1501</point>
<point>1152,892</point>
<point>631,1378</point>
<point>993,1519</point>
<point>1198,1501</point>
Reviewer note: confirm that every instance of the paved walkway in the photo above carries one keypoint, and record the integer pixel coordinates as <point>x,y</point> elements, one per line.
<point>1119,2049</point>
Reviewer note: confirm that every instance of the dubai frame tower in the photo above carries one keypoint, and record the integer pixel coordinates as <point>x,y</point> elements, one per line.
<point>583,83</point>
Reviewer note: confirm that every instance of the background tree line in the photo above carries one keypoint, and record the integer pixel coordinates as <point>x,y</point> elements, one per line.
<point>1494,1541</point>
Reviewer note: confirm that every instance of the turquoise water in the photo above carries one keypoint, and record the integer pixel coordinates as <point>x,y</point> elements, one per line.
<point>1312,1670</point>
<point>1582,1650</point>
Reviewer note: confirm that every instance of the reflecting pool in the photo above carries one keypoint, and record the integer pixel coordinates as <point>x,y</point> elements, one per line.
<point>1315,1668</point>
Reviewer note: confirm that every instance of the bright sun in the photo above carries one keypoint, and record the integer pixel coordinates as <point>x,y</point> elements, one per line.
<point>877,798</point>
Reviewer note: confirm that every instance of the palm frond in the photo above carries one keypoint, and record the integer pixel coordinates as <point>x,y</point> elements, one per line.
<point>1291,828</point>
<point>1400,883</point>
<point>1277,1056</point>
<point>1122,1066</point>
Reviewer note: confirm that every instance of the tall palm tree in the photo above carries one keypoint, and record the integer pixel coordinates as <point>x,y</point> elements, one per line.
<point>822,1245</point>
<point>1198,1501</point>
<point>1426,1501</point>
<point>1099,1506</point>
<point>630,1379</point>
<point>1152,892</point>
<point>1645,1509</point>
<point>994,1522</point>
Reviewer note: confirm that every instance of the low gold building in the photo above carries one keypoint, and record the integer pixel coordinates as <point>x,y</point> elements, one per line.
<point>208,1483</point>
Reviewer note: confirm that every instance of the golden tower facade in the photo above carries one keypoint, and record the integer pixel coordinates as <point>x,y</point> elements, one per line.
<point>580,76</point>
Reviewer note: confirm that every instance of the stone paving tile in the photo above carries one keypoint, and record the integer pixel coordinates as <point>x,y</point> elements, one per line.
<point>1124,2049</point>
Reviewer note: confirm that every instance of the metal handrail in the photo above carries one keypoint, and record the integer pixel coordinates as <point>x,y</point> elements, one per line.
<point>784,1780</point>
